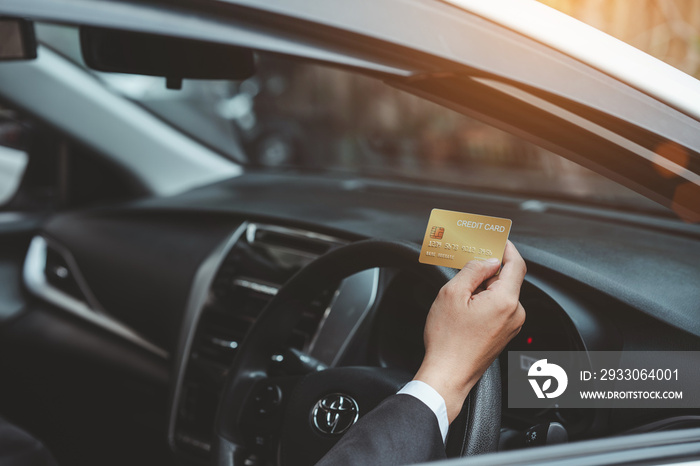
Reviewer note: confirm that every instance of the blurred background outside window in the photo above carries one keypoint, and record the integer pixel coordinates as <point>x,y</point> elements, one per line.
<point>298,115</point>
<point>666,29</point>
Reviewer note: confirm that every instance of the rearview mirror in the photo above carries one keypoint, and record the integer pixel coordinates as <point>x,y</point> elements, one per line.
<point>174,58</point>
<point>17,39</point>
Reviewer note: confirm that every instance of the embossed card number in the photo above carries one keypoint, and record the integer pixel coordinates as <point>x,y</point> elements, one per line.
<point>454,238</point>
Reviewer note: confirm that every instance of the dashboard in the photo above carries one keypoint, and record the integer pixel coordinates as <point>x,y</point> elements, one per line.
<point>189,275</point>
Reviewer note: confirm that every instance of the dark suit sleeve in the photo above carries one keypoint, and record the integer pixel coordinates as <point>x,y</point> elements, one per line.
<point>401,430</point>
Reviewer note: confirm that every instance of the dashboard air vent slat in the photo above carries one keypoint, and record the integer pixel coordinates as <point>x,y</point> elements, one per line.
<point>59,274</point>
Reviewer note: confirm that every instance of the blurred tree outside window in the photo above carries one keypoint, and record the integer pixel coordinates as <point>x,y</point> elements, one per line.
<point>666,29</point>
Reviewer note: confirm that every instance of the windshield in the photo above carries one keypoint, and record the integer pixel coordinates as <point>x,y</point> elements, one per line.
<point>304,116</point>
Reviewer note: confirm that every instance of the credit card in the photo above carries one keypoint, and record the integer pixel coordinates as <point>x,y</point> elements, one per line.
<point>454,238</point>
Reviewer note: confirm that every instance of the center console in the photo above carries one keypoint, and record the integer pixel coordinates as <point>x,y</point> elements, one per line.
<point>231,289</point>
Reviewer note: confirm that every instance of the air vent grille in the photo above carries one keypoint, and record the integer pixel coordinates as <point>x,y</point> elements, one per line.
<point>50,272</point>
<point>290,242</point>
<point>300,241</point>
<point>218,337</point>
<point>248,278</point>
<point>59,274</point>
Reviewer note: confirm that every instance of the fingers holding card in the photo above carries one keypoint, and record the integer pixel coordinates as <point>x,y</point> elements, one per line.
<point>454,238</point>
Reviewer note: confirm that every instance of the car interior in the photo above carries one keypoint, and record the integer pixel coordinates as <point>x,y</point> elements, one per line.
<point>165,234</point>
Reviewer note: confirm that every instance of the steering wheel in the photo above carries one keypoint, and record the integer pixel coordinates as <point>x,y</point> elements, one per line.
<point>255,403</point>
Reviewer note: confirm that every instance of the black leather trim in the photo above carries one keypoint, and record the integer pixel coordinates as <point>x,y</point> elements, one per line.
<point>476,428</point>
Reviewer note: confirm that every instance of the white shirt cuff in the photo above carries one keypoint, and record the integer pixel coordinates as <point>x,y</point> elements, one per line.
<point>432,400</point>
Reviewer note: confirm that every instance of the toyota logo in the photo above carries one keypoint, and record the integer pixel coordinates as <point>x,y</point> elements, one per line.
<point>334,414</point>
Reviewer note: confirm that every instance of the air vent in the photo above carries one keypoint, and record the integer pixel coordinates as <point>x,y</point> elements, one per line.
<point>295,243</point>
<point>299,241</point>
<point>248,278</point>
<point>234,305</point>
<point>59,274</point>
<point>51,274</point>
<point>218,337</point>
<point>305,330</point>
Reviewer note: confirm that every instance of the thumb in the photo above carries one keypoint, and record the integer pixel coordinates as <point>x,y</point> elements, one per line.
<point>475,273</point>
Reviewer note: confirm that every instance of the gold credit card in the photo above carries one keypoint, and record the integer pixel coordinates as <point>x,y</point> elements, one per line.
<point>454,238</point>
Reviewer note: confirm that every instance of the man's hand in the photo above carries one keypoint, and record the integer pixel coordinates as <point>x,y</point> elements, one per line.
<point>472,319</point>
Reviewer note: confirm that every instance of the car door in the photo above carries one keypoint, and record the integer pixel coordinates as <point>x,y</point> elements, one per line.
<point>82,391</point>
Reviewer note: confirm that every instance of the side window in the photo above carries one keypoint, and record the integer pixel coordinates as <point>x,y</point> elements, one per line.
<point>42,170</point>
